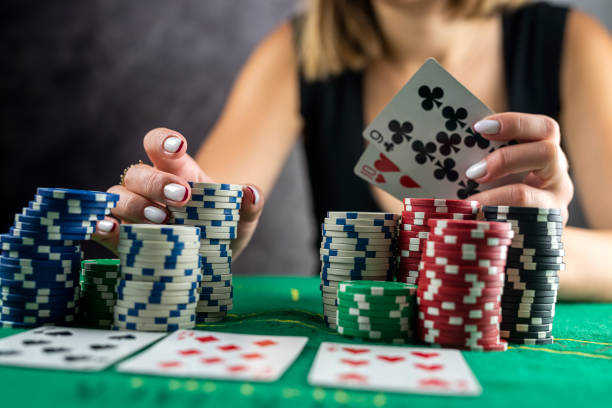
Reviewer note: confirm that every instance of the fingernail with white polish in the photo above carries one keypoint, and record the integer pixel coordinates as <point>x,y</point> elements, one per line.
<point>175,192</point>
<point>488,127</point>
<point>106,226</point>
<point>477,170</point>
<point>155,214</point>
<point>173,144</point>
<point>255,194</point>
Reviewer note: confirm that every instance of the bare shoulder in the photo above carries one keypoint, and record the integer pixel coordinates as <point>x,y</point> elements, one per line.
<point>275,54</point>
<point>586,41</point>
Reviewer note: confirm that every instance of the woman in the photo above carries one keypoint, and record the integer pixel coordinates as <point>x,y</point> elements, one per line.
<point>327,74</point>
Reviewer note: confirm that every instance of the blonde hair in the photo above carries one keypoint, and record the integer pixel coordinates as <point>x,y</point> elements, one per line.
<point>335,35</point>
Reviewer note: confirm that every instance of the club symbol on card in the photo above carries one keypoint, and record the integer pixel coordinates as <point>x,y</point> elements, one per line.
<point>475,138</point>
<point>430,97</point>
<point>9,353</point>
<point>391,359</point>
<point>352,362</point>
<point>265,343</point>
<point>424,151</point>
<point>53,350</point>
<point>424,354</point>
<point>429,367</point>
<point>448,143</point>
<point>467,189</point>
<point>400,131</point>
<point>354,350</point>
<point>123,337</point>
<point>61,333</point>
<point>74,359</point>
<point>353,377</point>
<point>35,342</point>
<point>100,347</point>
<point>446,170</point>
<point>454,118</point>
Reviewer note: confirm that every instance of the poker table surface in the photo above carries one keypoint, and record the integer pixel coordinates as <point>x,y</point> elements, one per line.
<point>576,369</point>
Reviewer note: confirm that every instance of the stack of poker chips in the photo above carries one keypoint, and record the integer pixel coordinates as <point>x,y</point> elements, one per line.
<point>355,246</point>
<point>414,229</point>
<point>214,208</point>
<point>534,259</point>
<point>41,256</point>
<point>160,275</point>
<point>98,294</point>
<point>372,310</point>
<point>461,282</point>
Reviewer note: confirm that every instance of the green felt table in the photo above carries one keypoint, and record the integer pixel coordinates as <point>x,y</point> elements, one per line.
<point>576,369</point>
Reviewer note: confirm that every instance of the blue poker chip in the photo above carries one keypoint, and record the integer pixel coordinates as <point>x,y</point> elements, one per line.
<point>7,246</point>
<point>15,297</point>
<point>357,241</point>
<point>153,271</point>
<point>54,215</point>
<point>48,235</point>
<point>356,275</point>
<point>229,199</point>
<point>211,204</point>
<point>56,229</point>
<point>213,223</point>
<point>167,313</point>
<point>353,215</point>
<point>42,291</point>
<point>196,216</point>
<point>213,272</point>
<point>155,300</point>
<point>157,286</point>
<point>210,228</point>
<point>381,235</point>
<point>353,267</point>
<point>217,186</point>
<point>135,245</point>
<point>355,228</point>
<point>56,256</point>
<point>64,263</point>
<point>374,222</point>
<point>161,279</point>
<point>216,235</point>
<point>356,247</point>
<point>64,318</point>
<point>208,297</point>
<point>168,237</point>
<point>211,289</point>
<point>73,202</point>
<point>29,304</point>
<point>6,273</point>
<point>67,193</point>
<point>159,265</point>
<point>125,293</point>
<point>32,284</point>
<point>145,306</point>
<point>26,219</point>
<point>215,278</point>
<point>368,254</point>
<point>207,259</point>
<point>10,239</point>
<point>61,210</point>
<point>51,312</point>
<point>156,320</point>
<point>129,259</point>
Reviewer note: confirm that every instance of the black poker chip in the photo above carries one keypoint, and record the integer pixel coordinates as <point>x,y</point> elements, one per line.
<point>526,320</point>
<point>520,273</point>
<point>520,210</point>
<point>536,259</point>
<point>535,252</point>
<point>530,286</point>
<point>536,266</point>
<point>517,327</point>
<point>530,279</point>
<point>544,307</point>
<point>523,217</point>
<point>533,342</point>
<point>527,313</point>
<point>536,239</point>
<point>527,225</point>
<point>528,300</point>
<point>525,335</point>
<point>508,291</point>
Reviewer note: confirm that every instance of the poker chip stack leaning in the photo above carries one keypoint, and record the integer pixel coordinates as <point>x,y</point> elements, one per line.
<point>98,294</point>
<point>534,259</point>
<point>160,275</point>
<point>355,246</point>
<point>414,229</point>
<point>372,310</point>
<point>460,284</point>
<point>214,208</point>
<point>41,256</point>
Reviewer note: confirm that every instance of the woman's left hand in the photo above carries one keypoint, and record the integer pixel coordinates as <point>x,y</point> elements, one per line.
<point>538,153</point>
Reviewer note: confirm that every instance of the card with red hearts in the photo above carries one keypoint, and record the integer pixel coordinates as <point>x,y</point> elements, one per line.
<point>393,368</point>
<point>228,356</point>
<point>376,168</point>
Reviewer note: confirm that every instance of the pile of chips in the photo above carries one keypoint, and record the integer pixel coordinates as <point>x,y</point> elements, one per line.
<point>98,294</point>
<point>41,256</point>
<point>461,282</point>
<point>372,310</point>
<point>214,208</point>
<point>414,229</point>
<point>160,275</point>
<point>534,259</point>
<point>355,246</point>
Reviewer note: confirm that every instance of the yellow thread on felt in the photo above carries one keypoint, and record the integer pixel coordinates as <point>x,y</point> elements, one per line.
<point>247,389</point>
<point>585,341</point>
<point>174,385</point>
<point>136,382</point>
<point>291,392</point>
<point>295,294</point>
<point>318,394</point>
<point>575,353</point>
<point>380,400</point>
<point>209,387</point>
<point>289,321</point>
<point>341,397</point>
<point>191,385</point>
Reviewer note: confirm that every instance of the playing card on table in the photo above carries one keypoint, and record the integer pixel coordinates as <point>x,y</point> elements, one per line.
<point>207,354</point>
<point>392,368</point>
<point>426,131</point>
<point>64,348</point>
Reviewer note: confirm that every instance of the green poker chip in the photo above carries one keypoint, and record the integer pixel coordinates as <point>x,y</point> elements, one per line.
<point>101,274</point>
<point>100,264</point>
<point>405,312</point>
<point>379,325</point>
<point>377,288</point>
<point>375,306</point>
<point>374,320</point>
<point>359,297</point>
<point>372,334</point>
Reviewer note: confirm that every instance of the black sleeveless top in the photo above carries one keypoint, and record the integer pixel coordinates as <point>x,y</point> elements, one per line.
<point>332,109</point>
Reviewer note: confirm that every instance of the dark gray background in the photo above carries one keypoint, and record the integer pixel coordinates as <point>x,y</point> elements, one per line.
<point>81,82</point>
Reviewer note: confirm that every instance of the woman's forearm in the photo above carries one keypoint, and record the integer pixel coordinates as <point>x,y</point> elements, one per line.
<point>588,276</point>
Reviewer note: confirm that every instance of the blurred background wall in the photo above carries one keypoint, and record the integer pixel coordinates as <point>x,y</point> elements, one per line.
<point>81,82</point>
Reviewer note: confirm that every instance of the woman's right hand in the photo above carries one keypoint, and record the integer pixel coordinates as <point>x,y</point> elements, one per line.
<point>146,191</point>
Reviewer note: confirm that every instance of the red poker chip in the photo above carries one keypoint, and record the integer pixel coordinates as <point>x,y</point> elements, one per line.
<point>459,340</point>
<point>472,234</point>
<point>459,333</point>
<point>414,228</point>
<point>446,294</point>
<point>457,269</point>
<point>414,234</point>
<point>441,260</point>
<point>406,265</point>
<point>461,319</point>
<point>468,256</point>
<point>466,328</point>
<point>465,247</point>
<point>412,215</point>
<point>440,209</point>
<point>431,284</point>
<point>470,225</point>
<point>441,202</point>
<point>474,314</point>
<point>462,278</point>
<point>486,306</point>
<point>406,253</point>
<point>455,240</point>
<point>501,346</point>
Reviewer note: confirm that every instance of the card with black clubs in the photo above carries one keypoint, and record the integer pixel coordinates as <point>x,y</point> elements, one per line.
<point>67,348</point>
<point>426,141</point>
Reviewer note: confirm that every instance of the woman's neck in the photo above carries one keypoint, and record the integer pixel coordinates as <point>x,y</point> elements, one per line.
<point>419,29</point>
